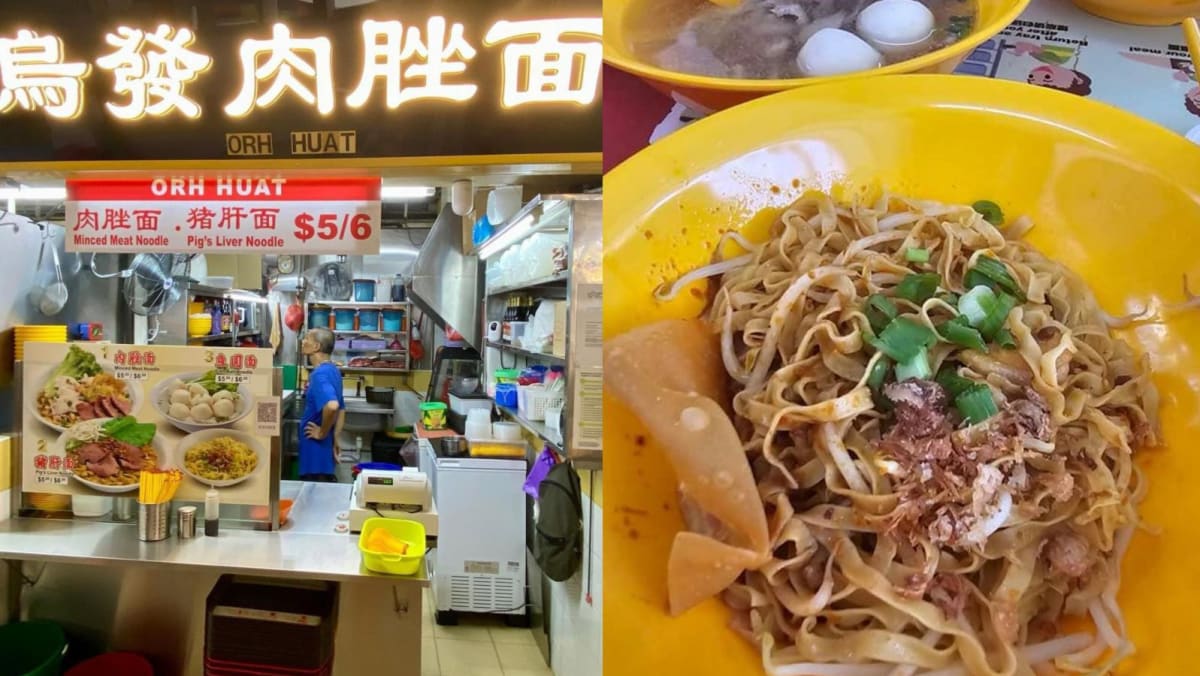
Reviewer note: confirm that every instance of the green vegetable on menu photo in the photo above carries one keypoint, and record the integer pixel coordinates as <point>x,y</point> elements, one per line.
<point>209,382</point>
<point>78,364</point>
<point>130,431</point>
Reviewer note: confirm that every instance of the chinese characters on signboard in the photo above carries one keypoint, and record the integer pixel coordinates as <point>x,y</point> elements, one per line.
<point>195,214</point>
<point>545,61</point>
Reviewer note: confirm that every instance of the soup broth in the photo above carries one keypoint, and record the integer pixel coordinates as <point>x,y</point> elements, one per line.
<point>763,39</point>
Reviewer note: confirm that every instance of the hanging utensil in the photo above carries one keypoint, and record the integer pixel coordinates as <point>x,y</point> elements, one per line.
<point>54,298</point>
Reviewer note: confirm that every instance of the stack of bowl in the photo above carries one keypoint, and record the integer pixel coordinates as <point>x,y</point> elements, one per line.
<point>56,333</point>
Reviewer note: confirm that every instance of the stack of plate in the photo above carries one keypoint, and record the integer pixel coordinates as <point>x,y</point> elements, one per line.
<point>55,333</point>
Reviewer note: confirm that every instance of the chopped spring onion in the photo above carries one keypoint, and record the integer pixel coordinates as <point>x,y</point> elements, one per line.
<point>953,383</point>
<point>985,310</point>
<point>950,299</point>
<point>1004,338</point>
<point>976,278</point>
<point>917,367</point>
<point>879,373</point>
<point>998,275</point>
<point>990,211</point>
<point>918,288</point>
<point>959,332</point>
<point>976,304</point>
<point>975,403</point>
<point>995,319</point>
<point>913,255</point>
<point>880,312</point>
<point>903,339</point>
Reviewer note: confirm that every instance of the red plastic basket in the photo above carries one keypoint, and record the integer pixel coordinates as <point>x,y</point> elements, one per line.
<point>126,664</point>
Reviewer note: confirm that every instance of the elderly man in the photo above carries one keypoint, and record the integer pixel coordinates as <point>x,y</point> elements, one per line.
<point>324,409</point>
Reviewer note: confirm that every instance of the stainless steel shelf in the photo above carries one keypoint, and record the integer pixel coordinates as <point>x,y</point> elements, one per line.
<point>225,336</point>
<point>556,278</point>
<point>542,430</point>
<point>505,347</point>
<point>349,332</point>
<point>372,305</point>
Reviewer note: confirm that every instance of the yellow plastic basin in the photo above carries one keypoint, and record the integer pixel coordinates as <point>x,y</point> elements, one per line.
<point>411,533</point>
<point>1113,196</point>
<point>620,17</point>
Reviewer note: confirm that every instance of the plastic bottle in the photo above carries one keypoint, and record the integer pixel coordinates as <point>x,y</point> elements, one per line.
<point>212,512</point>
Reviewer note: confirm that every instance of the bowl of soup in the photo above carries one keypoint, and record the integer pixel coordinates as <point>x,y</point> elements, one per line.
<point>1109,197</point>
<point>714,56</point>
<point>1142,12</point>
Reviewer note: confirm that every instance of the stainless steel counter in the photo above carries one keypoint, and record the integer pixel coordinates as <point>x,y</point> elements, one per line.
<point>306,547</point>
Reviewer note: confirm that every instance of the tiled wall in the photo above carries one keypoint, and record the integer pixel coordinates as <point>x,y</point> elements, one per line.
<point>576,625</point>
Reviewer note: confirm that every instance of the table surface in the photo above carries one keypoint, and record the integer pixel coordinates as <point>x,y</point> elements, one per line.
<point>1144,70</point>
<point>306,547</point>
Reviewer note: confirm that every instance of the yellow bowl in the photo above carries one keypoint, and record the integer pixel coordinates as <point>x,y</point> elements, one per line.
<point>1113,196</point>
<point>718,93</point>
<point>199,324</point>
<point>1142,12</point>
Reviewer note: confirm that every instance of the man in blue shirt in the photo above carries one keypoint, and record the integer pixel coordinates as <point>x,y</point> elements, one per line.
<point>323,409</point>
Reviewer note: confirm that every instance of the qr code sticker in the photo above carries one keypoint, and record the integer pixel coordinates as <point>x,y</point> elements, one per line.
<point>268,412</point>
<point>267,419</point>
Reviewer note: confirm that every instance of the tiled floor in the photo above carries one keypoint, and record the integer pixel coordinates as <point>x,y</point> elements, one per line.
<point>479,646</point>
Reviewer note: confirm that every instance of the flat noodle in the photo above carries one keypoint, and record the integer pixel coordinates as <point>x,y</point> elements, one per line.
<point>907,540</point>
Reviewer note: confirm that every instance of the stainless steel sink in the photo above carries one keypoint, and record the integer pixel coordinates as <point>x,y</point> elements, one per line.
<point>361,405</point>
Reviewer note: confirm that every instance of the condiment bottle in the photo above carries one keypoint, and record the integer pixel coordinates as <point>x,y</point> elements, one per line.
<point>212,512</point>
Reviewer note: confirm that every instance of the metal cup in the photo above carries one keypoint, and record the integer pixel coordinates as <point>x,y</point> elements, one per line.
<point>123,509</point>
<point>153,522</point>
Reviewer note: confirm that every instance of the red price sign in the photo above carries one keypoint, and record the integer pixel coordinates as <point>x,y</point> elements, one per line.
<point>329,226</point>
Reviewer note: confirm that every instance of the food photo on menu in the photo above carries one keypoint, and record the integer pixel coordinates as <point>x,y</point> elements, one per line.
<point>101,415</point>
<point>885,392</point>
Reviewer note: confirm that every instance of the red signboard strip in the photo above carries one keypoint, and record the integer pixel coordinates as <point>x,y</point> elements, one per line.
<point>181,188</point>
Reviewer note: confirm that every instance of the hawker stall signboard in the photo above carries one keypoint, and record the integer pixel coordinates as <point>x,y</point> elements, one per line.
<point>215,213</point>
<point>247,80</point>
<point>96,415</point>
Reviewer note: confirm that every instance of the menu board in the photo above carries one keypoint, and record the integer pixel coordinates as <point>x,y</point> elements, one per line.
<point>97,414</point>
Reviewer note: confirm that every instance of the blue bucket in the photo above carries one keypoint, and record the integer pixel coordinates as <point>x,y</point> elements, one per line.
<point>343,319</point>
<point>368,320</point>
<point>364,290</point>
<point>318,317</point>
<point>393,320</point>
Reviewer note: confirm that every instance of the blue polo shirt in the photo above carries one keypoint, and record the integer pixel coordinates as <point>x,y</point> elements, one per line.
<point>324,386</point>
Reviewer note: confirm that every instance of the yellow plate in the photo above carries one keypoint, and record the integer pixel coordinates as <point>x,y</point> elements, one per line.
<point>1113,196</point>
<point>719,92</point>
<point>1142,12</point>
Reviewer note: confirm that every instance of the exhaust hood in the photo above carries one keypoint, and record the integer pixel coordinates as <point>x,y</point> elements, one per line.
<point>446,283</point>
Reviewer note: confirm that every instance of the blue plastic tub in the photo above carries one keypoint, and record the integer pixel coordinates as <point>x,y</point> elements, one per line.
<point>368,320</point>
<point>393,320</point>
<point>343,319</point>
<point>364,290</point>
<point>374,465</point>
<point>318,317</point>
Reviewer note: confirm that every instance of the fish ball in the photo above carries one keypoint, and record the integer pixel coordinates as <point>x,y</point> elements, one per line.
<point>202,413</point>
<point>223,394</point>
<point>180,411</point>
<point>223,408</point>
<point>833,51</point>
<point>196,389</point>
<point>181,397</point>
<point>895,22</point>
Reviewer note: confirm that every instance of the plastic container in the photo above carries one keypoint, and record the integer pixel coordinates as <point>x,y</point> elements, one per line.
<point>387,466</point>
<point>125,664</point>
<point>318,317</point>
<point>91,505</point>
<point>368,320</point>
<point>393,320</point>
<point>199,324</point>
<point>433,415</point>
<point>507,376</point>
<point>506,431</point>
<point>506,394</point>
<point>343,319</point>
<point>409,532</point>
<point>33,648</point>
<point>538,400</point>
<point>364,290</point>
